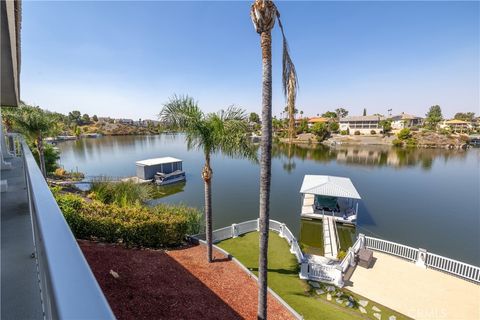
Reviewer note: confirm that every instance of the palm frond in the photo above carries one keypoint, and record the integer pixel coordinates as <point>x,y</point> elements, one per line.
<point>289,74</point>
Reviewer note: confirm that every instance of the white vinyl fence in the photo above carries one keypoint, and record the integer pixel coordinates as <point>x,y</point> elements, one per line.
<point>426,259</point>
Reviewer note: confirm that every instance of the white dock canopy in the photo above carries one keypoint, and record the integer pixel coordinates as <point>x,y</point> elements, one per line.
<point>155,161</point>
<point>329,186</point>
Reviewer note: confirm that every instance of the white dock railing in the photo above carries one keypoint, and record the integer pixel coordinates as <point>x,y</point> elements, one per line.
<point>396,249</point>
<point>424,259</point>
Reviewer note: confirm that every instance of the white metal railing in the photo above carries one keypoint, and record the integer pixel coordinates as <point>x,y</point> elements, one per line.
<point>222,234</point>
<point>396,249</point>
<point>68,287</point>
<point>457,268</point>
<point>427,259</point>
<point>247,226</point>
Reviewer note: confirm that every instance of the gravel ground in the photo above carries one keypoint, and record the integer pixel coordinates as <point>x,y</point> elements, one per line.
<point>177,284</point>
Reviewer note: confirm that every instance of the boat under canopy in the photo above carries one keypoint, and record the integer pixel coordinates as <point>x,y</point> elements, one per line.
<point>329,195</point>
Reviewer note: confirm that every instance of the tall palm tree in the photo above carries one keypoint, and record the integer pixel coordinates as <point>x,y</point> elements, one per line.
<point>35,124</point>
<point>263,14</point>
<point>224,132</point>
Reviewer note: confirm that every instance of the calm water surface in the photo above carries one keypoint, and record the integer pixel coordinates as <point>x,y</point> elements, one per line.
<point>421,198</point>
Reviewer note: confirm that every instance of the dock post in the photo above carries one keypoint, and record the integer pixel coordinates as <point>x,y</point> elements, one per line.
<point>234,230</point>
<point>258,224</point>
<point>421,258</point>
<point>282,230</point>
<point>304,270</point>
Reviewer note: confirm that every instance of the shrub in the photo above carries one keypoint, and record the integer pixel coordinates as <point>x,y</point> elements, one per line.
<point>321,131</point>
<point>341,255</point>
<point>344,132</point>
<point>333,126</point>
<point>59,172</point>
<point>411,142</point>
<point>397,143</point>
<point>357,133</point>
<point>373,132</point>
<point>163,225</point>
<point>121,193</point>
<point>404,134</point>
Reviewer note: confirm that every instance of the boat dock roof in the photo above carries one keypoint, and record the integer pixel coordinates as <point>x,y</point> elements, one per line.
<point>329,186</point>
<point>155,161</point>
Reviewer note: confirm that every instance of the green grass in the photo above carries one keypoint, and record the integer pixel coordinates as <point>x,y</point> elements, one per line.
<point>283,279</point>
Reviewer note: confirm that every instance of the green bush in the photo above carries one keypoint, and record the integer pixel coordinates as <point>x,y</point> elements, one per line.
<point>411,142</point>
<point>341,255</point>
<point>162,225</point>
<point>121,193</point>
<point>373,132</point>
<point>404,134</point>
<point>333,126</point>
<point>397,143</point>
<point>357,133</point>
<point>344,132</point>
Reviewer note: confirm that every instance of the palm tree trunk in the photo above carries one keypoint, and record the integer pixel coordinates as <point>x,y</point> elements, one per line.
<point>41,155</point>
<point>207,178</point>
<point>265,170</point>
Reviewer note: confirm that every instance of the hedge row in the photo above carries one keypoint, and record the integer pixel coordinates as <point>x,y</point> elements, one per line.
<point>162,225</point>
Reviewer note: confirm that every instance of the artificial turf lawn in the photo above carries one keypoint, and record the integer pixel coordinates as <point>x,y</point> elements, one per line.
<point>283,278</point>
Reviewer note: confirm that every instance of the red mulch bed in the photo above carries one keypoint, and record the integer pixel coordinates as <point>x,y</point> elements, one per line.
<point>177,284</point>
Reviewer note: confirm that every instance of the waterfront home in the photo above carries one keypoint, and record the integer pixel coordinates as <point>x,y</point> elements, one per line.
<point>123,121</point>
<point>458,126</point>
<point>362,124</point>
<point>313,120</point>
<point>405,120</point>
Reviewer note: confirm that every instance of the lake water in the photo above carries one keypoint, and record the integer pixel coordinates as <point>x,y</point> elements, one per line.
<point>426,198</point>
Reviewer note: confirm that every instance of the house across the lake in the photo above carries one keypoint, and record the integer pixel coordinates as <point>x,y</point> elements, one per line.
<point>362,124</point>
<point>405,120</point>
<point>458,126</point>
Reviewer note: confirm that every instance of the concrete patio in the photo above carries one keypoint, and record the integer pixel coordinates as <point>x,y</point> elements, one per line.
<point>414,291</point>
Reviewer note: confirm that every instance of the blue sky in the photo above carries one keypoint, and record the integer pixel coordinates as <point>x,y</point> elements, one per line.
<point>124,59</point>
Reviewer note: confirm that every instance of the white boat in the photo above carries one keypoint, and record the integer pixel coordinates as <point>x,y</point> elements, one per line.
<point>329,196</point>
<point>162,179</point>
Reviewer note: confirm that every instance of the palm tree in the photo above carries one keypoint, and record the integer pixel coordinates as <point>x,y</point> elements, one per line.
<point>263,14</point>
<point>224,132</point>
<point>35,124</point>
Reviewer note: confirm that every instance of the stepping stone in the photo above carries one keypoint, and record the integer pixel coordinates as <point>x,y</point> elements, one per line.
<point>349,304</point>
<point>363,303</point>
<point>339,301</point>
<point>350,298</point>
<point>329,297</point>
<point>378,316</point>
<point>319,291</point>
<point>392,318</point>
<point>314,284</point>
<point>362,309</point>
<point>374,308</point>
<point>330,288</point>
<point>339,294</point>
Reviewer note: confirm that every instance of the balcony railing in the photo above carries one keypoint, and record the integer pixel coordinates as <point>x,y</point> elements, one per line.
<point>68,287</point>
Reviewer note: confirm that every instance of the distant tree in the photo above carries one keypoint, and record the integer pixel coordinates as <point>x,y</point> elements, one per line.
<point>433,117</point>
<point>333,126</point>
<point>341,112</point>
<point>364,112</point>
<point>465,116</point>
<point>321,131</point>
<point>36,124</point>
<point>330,114</point>
<point>85,119</point>
<point>95,118</point>
<point>301,113</point>
<point>75,117</point>
<point>254,117</point>
<point>386,125</point>
<point>77,131</point>
<point>303,126</point>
